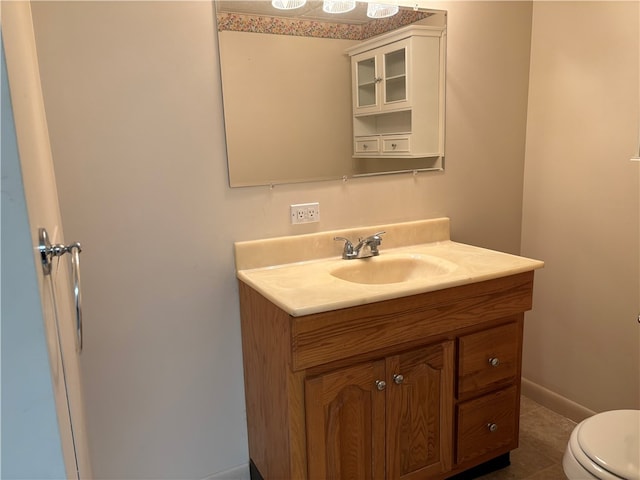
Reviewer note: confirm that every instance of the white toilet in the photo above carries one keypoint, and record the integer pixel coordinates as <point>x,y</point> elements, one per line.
<point>605,446</point>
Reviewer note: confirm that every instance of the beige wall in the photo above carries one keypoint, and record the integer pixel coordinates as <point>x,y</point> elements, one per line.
<point>266,147</point>
<point>581,203</point>
<point>133,101</point>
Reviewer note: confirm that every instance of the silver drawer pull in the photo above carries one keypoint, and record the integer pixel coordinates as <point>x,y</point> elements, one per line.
<point>492,427</point>
<point>381,384</point>
<point>494,361</point>
<point>398,379</point>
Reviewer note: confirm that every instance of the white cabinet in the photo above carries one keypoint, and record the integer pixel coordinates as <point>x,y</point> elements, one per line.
<point>398,94</point>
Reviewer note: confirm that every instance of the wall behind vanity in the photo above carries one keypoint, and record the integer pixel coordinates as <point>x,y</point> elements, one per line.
<point>133,101</point>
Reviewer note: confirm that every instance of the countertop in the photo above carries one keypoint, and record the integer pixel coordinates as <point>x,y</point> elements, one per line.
<point>281,270</point>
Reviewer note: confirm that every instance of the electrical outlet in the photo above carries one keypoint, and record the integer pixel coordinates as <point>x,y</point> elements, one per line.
<point>305,213</point>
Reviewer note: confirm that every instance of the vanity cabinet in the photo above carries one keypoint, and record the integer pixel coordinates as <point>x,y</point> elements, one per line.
<point>398,94</point>
<point>420,387</point>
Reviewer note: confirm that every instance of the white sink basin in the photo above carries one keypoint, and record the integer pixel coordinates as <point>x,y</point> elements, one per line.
<point>392,269</point>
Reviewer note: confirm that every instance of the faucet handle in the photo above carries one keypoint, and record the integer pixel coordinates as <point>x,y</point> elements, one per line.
<point>375,238</point>
<point>373,242</point>
<point>346,240</point>
<point>348,246</point>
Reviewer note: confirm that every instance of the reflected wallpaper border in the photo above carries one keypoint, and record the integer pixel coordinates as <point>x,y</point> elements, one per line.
<point>306,28</point>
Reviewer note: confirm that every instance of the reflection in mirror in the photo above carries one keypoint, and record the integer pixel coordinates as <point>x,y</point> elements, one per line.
<point>313,96</point>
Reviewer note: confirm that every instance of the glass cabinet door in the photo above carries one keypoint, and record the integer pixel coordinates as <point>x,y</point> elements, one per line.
<point>367,82</point>
<point>395,76</point>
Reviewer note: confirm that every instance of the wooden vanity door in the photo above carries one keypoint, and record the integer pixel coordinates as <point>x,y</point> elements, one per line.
<point>345,413</point>
<point>420,412</point>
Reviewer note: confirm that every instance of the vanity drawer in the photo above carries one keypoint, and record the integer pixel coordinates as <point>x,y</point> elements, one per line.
<point>487,423</point>
<point>367,145</point>
<point>395,145</point>
<point>488,358</point>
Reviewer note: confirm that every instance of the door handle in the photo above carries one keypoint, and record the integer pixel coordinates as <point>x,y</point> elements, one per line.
<point>47,252</point>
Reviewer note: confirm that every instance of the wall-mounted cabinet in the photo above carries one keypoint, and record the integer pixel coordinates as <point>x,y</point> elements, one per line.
<point>380,78</point>
<point>398,94</point>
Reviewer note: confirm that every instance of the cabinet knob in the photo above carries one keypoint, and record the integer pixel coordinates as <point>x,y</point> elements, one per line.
<point>365,146</point>
<point>492,427</point>
<point>394,145</point>
<point>398,379</point>
<point>494,361</point>
<point>381,384</point>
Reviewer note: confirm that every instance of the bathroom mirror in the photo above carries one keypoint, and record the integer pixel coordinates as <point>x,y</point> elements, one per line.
<point>287,93</point>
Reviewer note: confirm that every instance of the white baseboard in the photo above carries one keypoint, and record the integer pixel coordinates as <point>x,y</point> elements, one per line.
<point>241,472</point>
<point>553,401</point>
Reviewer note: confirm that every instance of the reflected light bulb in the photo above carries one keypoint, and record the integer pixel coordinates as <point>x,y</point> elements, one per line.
<point>338,6</point>
<point>380,10</point>
<point>287,4</point>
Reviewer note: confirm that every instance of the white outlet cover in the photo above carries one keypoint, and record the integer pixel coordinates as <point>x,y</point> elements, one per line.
<point>305,213</point>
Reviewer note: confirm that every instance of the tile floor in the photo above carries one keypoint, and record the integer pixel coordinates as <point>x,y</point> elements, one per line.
<point>543,438</point>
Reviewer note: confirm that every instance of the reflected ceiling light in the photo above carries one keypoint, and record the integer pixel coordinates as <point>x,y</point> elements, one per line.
<point>338,6</point>
<point>287,4</point>
<point>380,10</point>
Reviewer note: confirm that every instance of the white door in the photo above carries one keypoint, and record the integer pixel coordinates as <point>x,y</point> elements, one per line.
<point>56,292</point>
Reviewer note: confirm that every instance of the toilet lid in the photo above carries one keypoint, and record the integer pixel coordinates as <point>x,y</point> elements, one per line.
<point>612,441</point>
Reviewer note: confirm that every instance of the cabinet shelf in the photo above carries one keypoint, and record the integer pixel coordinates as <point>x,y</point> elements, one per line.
<point>395,77</point>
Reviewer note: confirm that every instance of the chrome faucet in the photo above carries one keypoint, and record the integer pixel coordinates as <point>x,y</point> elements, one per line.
<point>365,248</point>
